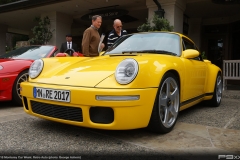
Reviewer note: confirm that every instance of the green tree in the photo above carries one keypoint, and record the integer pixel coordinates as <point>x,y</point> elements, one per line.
<point>158,24</point>
<point>42,32</point>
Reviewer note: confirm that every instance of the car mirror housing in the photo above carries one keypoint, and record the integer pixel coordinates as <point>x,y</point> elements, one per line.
<point>190,53</point>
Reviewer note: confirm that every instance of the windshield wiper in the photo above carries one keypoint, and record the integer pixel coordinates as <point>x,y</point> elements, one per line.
<point>151,51</point>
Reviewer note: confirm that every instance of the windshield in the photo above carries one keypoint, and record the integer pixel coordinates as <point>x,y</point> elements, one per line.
<point>29,52</point>
<point>157,42</point>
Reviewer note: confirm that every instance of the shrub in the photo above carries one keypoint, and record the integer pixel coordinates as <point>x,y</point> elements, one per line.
<point>159,24</point>
<point>42,32</point>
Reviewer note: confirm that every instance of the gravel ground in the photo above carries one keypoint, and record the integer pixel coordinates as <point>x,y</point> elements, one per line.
<point>37,137</point>
<point>41,138</point>
<point>227,115</point>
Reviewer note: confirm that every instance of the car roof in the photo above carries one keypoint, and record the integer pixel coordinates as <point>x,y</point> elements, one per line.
<point>159,32</point>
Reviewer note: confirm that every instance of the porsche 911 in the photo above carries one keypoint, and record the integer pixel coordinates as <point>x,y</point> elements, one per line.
<point>142,81</point>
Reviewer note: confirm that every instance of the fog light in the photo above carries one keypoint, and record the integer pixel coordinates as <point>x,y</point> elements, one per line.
<point>118,98</point>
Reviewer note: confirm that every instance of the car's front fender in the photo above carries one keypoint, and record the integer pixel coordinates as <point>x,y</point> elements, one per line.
<point>212,73</point>
<point>151,70</point>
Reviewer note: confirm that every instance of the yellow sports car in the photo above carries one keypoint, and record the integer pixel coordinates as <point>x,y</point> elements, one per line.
<point>142,81</point>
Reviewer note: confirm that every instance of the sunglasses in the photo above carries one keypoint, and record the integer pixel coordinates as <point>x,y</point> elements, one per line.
<point>118,26</point>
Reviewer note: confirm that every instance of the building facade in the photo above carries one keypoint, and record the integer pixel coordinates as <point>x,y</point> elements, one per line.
<point>214,25</point>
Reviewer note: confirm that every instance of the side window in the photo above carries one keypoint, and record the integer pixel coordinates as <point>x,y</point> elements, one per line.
<point>188,44</point>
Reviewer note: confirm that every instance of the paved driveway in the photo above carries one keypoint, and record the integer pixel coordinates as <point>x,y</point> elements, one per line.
<point>200,130</point>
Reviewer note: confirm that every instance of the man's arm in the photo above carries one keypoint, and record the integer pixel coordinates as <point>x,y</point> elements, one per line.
<point>86,42</point>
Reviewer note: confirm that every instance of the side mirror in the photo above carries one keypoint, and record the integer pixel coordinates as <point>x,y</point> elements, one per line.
<point>190,53</point>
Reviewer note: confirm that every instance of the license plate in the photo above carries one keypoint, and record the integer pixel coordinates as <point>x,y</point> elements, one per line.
<point>52,94</point>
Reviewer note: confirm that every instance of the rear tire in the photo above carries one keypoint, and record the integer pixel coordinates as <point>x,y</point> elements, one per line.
<point>166,106</point>
<point>16,96</point>
<point>217,95</point>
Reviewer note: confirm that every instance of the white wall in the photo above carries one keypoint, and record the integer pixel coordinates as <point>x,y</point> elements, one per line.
<point>173,12</point>
<point>61,24</point>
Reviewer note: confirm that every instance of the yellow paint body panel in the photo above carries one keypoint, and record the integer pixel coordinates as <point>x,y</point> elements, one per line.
<point>127,114</point>
<point>88,77</point>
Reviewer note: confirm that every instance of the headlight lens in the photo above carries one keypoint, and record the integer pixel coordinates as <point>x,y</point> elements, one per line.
<point>126,71</point>
<point>35,68</point>
<point>1,67</point>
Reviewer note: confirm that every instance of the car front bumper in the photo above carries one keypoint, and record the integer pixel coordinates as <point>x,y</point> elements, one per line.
<point>84,109</point>
<point>6,84</point>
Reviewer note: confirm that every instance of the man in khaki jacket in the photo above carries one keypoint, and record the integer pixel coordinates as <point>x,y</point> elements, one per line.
<point>91,38</point>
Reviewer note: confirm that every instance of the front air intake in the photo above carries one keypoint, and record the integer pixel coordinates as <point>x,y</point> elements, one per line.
<point>104,115</point>
<point>57,111</point>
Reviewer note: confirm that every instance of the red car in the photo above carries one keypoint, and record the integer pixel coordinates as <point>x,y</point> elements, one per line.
<point>14,69</point>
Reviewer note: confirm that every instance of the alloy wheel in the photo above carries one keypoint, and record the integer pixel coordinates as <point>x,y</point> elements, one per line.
<point>169,102</point>
<point>22,78</point>
<point>219,87</point>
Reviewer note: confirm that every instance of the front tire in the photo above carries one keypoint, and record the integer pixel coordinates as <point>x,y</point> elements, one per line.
<point>22,77</point>
<point>166,106</point>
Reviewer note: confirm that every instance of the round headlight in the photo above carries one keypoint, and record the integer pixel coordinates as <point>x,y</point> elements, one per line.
<point>126,71</point>
<point>35,68</point>
<point>1,67</point>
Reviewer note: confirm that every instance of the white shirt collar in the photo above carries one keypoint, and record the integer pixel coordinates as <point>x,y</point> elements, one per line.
<point>94,27</point>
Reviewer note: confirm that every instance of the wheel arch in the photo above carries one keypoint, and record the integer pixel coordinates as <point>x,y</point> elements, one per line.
<point>24,70</point>
<point>154,121</point>
<point>175,73</point>
<point>213,71</point>
<point>12,90</point>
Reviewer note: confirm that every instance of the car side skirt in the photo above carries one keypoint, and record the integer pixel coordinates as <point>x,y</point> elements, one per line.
<point>188,103</point>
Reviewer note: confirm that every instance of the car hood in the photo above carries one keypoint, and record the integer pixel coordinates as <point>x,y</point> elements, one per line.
<point>85,72</point>
<point>13,65</point>
<point>91,72</point>
<point>11,60</point>
<point>2,61</point>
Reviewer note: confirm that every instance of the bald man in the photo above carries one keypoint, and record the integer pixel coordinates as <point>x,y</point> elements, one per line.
<point>116,33</point>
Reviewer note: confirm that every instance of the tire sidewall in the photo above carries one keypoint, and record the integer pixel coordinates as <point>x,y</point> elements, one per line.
<point>17,100</point>
<point>155,121</point>
<point>214,101</point>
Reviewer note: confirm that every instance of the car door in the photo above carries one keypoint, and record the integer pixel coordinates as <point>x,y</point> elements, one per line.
<point>195,74</point>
